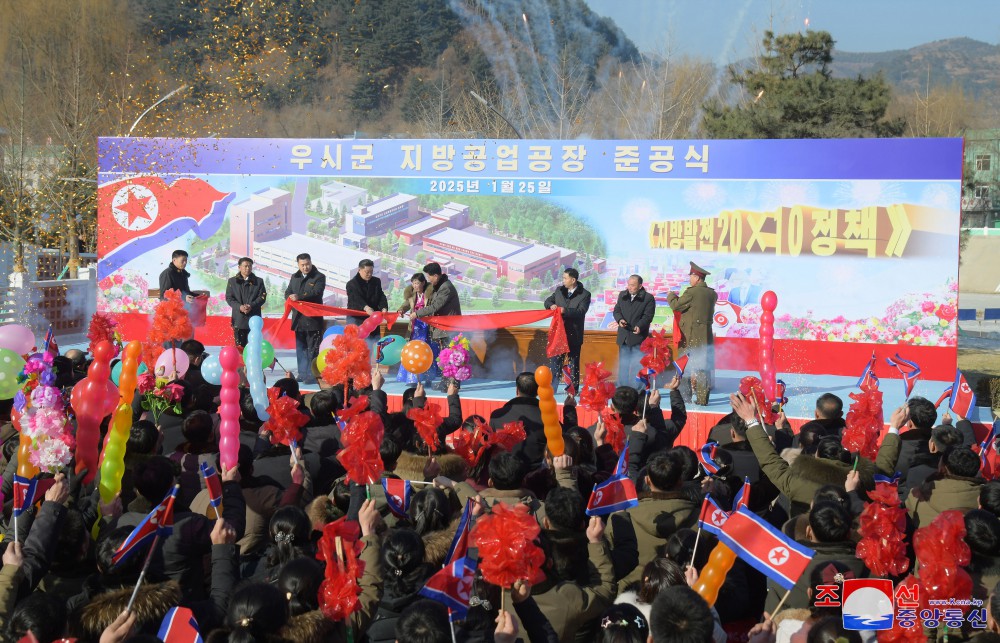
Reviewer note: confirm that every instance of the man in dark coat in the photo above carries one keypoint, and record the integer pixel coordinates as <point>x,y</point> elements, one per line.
<point>524,408</point>
<point>175,277</point>
<point>364,292</point>
<point>245,294</point>
<point>697,308</point>
<point>308,284</point>
<point>633,313</point>
<point>573,301</point>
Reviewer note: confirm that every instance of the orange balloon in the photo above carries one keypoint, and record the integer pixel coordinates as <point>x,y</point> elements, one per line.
<point>714,573</point>
<point>416,356</point>
<point>549,411</point>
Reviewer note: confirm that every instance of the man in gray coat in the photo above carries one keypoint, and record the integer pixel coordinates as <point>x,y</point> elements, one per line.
<point>634,313</point>
<point>444,301</point>
<point>573,301</point>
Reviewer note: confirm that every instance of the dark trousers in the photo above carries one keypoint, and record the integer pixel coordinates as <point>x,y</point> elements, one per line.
<point>556,366</point>
<point>241,335</point>
<point>306,350</point>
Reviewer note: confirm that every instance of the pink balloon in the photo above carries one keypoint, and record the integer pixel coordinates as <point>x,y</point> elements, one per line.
<point>229,407</point>
<point>769,301</point>
<point>369,325</point>
<point>17,338</point>
<point>171,360</point>
<point>327,343</point>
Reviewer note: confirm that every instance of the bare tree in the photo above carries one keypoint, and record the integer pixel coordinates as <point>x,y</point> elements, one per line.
<point>562,101</point>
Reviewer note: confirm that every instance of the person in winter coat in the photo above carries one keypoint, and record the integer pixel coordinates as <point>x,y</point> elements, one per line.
<point>636,533</point>
<point>403,572</point>
<point>245,294</point>
<point>307,284</point>
<point>572,301</point>
<point>955,487</point>
<point>633,313</point>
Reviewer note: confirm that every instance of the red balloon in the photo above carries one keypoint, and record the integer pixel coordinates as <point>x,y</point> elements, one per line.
<point>769,300</point>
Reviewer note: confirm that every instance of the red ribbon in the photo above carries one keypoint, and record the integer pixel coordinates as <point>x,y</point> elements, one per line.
<point>310,309</point>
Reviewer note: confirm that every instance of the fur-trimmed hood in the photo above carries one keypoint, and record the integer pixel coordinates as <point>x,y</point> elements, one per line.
<point>437,543</point>
<point>820,471</point>
<point>151,604</point>
<point>311,627</point>
<point>410,466</point>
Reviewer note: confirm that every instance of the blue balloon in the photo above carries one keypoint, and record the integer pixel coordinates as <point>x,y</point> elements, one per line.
<point>333,330</point>
<point>116,371</point>
<point>253,358</point>
<point>211,370</point>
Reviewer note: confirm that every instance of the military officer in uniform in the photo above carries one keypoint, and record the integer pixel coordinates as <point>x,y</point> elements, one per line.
<point>697,308</point>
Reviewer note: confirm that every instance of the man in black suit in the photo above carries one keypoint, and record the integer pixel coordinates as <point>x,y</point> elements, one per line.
<point>573,301</point>
<point>364,292</point>
<point>245,294</point>
<point>307,284</point>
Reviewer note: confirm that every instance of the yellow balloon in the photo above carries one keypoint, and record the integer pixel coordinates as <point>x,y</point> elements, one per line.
<point>321,359</point>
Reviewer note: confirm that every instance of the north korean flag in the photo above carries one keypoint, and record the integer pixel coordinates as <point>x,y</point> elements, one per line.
<point>712,516</point>
<point>452,586</point>
<point>142,213</point>
<point>765,548</point>
<point>567,374</point>
<point>179,626</point>
<point>397,495</point>
<point>212,483</point>
<point>868,375</point>
<point>680,364</point>
<point>460,543</point>
<point>24,494</point>
<point>985,470</point>
<point>614,494</point>
<point>160,521</point>
<point>742,498</point>
<point>963,399</point>
<point>706,458</point>
<point>909,370</point>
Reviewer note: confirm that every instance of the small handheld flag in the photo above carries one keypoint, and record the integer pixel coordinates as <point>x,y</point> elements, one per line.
<point>706,458</point>
<point>765,548</point>
<point>24,494</point>
<point>212,483</point>
<point>380,347</point>
<point>985,470</point>
<point>614,494</point>
<point>179,626</point>
<point>680,364</point>
<point>868,376</point>
<point>646,377</point>
<point>159,522</point>
<point>884,479</point>
<point>909,370</point>
<point>963,398</point>
<point>453,586</point>
<point>460,543</point>
<point>742,497</point>
<point>945,395</point>
<point>397,495</point>
<point>712,516</point>
<point>567,374</point>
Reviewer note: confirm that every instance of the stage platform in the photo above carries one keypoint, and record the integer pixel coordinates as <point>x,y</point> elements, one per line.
<point>482,396</point>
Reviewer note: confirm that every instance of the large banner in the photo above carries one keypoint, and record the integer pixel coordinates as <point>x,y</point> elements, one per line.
<point>858,238</point>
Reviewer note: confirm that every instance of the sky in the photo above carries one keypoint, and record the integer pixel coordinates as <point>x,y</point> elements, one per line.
<point>727,30</point>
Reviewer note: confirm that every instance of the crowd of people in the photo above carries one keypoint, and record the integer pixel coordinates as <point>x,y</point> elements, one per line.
<point>250,572</point>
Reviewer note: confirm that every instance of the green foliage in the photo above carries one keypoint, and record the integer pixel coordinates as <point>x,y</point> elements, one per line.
<point>503,281</point>
<point>489,276</point>
<point>476,290</point>
<point>536,283</point>
<point>521,294</point>
<point>470,272</point>
<point>792,94</point>
<point>497,292</point>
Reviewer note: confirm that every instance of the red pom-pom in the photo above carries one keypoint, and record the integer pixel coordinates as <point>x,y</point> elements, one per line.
<point>507,549</point>
<point>338,593</point>
<point>427,420</point>
<point>511,435</point>
<point>615,429</point>
<point>899,634</point>
<point>360,456</point>
<point>349,360</point>
<point>942,552</point>
<point>656,351</point>
<point>102,329</point>
<point>864,422</point>
<point>460,443</point>
<point>354,407</point>
<point>594,390</point>
<point>286,419</point>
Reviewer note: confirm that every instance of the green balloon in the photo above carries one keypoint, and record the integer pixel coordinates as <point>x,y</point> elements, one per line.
<point>391,351</point>
<point>266,354</point>
<point>11,365</point>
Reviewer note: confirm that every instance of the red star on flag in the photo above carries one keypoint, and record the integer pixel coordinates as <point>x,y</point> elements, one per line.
<point>135,208</point>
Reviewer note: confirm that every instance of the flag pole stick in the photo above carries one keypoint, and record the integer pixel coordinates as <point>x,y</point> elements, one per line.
<point>15,527</point>
<point>142,574</point>
<point>694,551</point>
<point>451,626</point>
<point>780,604</point>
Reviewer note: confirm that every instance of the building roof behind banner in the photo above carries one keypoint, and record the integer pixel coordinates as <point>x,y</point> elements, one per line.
<point>262,198</point>
<point>480,243</point>
<point>295,244</point>
<point>341,190</point>
<point>385,203</point>
<point>420,225</point>
<point>531,254</point>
